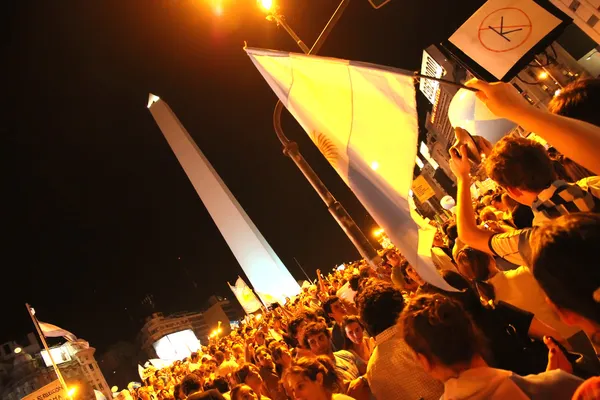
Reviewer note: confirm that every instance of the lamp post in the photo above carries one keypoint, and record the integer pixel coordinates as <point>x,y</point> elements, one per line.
<point>290,148</point>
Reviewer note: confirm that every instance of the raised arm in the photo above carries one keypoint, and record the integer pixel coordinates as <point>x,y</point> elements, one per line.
<point>468,231</point>
<point>578,140</point>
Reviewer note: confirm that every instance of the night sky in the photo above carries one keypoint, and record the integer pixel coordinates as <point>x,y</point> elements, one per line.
<point>97,212</point>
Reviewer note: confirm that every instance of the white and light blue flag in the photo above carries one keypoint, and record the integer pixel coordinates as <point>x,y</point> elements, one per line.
<point>363,119</point>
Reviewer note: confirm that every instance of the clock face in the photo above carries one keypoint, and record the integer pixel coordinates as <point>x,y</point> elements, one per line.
<point>504,29</point>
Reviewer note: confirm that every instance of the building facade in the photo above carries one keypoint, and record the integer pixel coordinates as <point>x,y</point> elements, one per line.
<point>25,368</point>
<point>585,14</point>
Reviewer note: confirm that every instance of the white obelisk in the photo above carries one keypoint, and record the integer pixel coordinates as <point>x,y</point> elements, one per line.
<point>270,278</point>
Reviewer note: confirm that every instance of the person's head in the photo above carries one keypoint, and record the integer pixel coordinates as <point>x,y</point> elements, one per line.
<point>478,267</point>
<point>579,100</point>
<point>219,357</point>
<point>379,305</point>
<point>441,334</point>
<point>195,357</point>
<point>263,358</point>
<point>259,338</point>
<point>281,355</point>
<point>520,166</point>
<point>243,392</point>
<point>392,258</point>
<point>177,393</point>
<point>354,329</point>
<point>334,308</point>
<point>508,202</point>
<point>354,281</point>
<point>317,338</point>
<point>312,379</point>
<point>497,202</point>
<point>249,374</point>
<point>565,259</point>
<point>488,214</point>
<point>219,383</point>
<point>191,384</point>
<point>412,273</point>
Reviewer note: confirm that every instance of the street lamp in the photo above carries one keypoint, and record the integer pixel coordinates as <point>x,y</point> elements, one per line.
<point>290,149</point>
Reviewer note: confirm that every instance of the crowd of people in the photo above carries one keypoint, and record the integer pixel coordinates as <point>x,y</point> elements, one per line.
<point>523,323</point>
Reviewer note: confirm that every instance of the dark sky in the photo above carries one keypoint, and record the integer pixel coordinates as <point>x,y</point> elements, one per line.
<point>97,211</point>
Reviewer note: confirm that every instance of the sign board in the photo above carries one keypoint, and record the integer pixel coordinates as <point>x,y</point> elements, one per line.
<point>52,391</point>
<point>502,32</point>
<point>422,189</point>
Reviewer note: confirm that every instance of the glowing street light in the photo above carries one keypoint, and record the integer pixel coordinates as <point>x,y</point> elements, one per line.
<point>18,350</point>
<point>267,5</point>
<point>72,391</point>
<point>543,75</point>
<point>378,232</point>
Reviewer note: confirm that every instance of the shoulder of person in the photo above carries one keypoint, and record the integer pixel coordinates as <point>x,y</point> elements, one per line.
<point>556,384</point>
<point>345,354</point>
<point>513,246</point>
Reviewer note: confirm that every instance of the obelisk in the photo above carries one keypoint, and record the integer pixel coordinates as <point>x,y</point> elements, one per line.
<point>267,274</point>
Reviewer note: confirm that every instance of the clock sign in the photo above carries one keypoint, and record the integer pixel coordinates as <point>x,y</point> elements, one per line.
<point>505,29</point>
<point>502,32</point>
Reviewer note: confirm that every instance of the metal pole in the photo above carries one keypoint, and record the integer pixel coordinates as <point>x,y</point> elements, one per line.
<point>281,21</point>
<point>290,149</point>
<point>43,339</point>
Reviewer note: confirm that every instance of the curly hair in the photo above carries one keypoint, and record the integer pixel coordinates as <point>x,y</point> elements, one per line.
<point>379,305</point>
<point>314,328</point>
<point>311,367</point>
<point>520,163</point>
<point>438,328</point>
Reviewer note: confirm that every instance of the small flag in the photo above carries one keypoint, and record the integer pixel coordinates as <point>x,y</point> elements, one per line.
<point>245,296</point>
<point>50,330</point>
<point>363,119</point>
<point>141,372</point>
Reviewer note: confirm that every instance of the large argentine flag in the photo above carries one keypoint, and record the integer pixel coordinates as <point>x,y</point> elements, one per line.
<point>363,118</point>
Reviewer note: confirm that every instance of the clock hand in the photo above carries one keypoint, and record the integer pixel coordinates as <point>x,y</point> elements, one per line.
<point>501,24</point>
<point>499,33</point>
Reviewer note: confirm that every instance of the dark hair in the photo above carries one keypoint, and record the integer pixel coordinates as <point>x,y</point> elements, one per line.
<point>242,372</point>
<point>262,349</point>
<point>475,265</point>
<point>219,383</point>
<point>349,319</point>
<point>497,197</point>
<point>190,384</point>
<point>354,282</point>
<point>219,357</point>
<point>520,163</point>
<point>328,303</point>
<point>315,328</point>
<point>438,328</point>
<point>379,306</point>
<point>235,392</point>
<point>565,258</point>
<point>312,367</point>
<point>176,391</point>
<point>579,100</point>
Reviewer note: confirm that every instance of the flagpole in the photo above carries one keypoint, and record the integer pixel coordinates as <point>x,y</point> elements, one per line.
<point>43,339</point>
<point>290,149</point>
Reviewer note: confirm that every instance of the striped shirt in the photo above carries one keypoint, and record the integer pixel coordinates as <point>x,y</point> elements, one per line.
<point>563,198</point>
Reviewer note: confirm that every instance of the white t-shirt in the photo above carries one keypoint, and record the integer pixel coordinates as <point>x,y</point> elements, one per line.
<point>519,288</point>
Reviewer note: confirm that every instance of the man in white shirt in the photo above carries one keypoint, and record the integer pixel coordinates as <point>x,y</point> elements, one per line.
<point>392,372</point>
